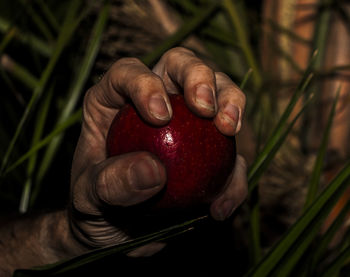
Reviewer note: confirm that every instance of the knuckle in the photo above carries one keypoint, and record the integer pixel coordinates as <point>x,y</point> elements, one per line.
<point>89,95</point>
<point>144,81</point>
<point>199,67</point>
<point>235,94</point>
<point>221,76</point>
<point>101,186</point>
<point>89,101</point>
<point>228,84</point>
<point>173,54</point>
<point>127,61</point>
<point>119,68</point>
<point>107,185</point>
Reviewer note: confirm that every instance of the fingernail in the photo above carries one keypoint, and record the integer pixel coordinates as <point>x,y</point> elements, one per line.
<point>144,174</point>
<point>231,114</point>
<point>159,108</point>
<point>205,97</point>
<point>226,209</point>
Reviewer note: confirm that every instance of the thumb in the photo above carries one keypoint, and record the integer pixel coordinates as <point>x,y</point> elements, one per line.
<point>122,180</point>
<point>129,179</point>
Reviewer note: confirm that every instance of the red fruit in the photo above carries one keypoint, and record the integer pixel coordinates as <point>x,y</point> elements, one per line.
<point>197,157</point>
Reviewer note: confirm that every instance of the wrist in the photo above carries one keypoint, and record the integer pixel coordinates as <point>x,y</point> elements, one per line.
<point>60,236</point>
<point>35,240</point>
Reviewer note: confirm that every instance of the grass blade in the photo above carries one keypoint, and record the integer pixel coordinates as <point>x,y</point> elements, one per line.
<point>321,31</point>
<point>96,255</point>
<point>38,21</point>
<point>63,39</point>
<point>221,36</point>
<point>19,72</point>
<point>297,250</point>
<point>338,263</point>
<point>252,184</point>
<point>246,78</point>
<point>317,170</point>
<point>253,173</point>
<point>38,131</point>
<point>328,236</point>
<point>310,219</point>
<point>254,220</point>
<point>255,214</point>
<point>243,39</point>
<point>187,28</point>
<point>26,38</point>
<point>49,15</point>
<point>7,39</point>
<point>265,157</point>
<point>275,141</point>
<point>77,88</point>
<point>73,119</point>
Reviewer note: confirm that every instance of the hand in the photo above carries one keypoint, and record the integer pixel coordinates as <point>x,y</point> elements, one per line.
<point>99,183</point>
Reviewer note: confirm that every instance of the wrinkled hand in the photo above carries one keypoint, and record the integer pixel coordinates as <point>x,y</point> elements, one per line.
<point>99,182</point>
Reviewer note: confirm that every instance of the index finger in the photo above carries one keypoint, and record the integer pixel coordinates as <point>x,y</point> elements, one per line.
<point>130,79</point>
<point>127,79</point>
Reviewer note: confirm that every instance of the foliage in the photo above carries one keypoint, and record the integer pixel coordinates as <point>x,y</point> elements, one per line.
<point>48,50</point>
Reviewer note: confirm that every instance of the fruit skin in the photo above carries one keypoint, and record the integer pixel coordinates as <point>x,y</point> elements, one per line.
<point>197,157</point>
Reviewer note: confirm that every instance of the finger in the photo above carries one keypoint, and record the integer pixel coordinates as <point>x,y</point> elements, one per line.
<point>123,180</point>
<point>179,67</point>
<point>231,105</point>
<point>129,78</point>
<point>234,194</point>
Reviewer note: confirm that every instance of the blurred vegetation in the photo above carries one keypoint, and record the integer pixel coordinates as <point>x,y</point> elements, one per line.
<point>52,51</point>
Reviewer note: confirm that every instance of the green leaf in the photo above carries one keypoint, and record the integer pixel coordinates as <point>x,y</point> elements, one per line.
<point>263,160</point>
<point>38,21</point>
<point>66,266</point>
<point>243,40</point>
<point>77,87</point>
<point>272,145</point>
<point>187,28</point>
<point>73,119</point>
<point>19,72</point>
<point>325,240</point>
<point>338,263</point>
<point>255,215</point>
<point>297,250</point>
<point>7,39</point>
<point>256,169</point>
<point>300,234</point>
<point>321,31</point>
<point>254,220</point>
<point>67,31</point>
<point>26,38</point>
<point>246,78</point>
<point>48,15</point>
<point>38,131</point>
<point>221,36</point>
<point>318,167</point>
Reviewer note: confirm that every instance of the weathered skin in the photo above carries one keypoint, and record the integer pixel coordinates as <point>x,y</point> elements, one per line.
<point>197,157</point>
